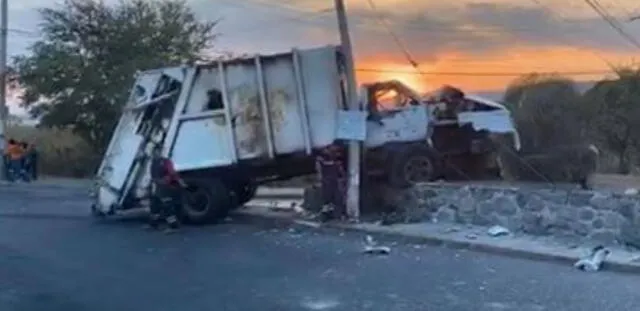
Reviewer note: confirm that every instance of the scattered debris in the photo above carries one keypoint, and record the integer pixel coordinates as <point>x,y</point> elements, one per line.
<point>372,247</point>
<point>311,224</point>
<point>471,236</point>
<point>451,230</point>
<point>497,231</point>
<point>298,209</point>
<point>631,191</point>
<point>381,250</point>
<point>594,260</point>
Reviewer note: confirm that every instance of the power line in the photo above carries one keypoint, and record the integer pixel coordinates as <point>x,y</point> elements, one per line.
<point>395,37</point>
<point>560,35</point>
<point>623,8</point>
<point>611,21</point>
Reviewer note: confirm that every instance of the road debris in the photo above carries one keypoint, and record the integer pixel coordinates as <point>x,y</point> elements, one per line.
<point>298,209</point>
<point>631,191</point>
<point>372,247</point>
<point>451,230</point>
<point>497,231</point>
<point>593,261</point>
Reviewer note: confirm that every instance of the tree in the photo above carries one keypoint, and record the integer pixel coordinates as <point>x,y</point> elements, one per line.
<point>79,74</point>
<point>545,109</point>
<point>615,114</point>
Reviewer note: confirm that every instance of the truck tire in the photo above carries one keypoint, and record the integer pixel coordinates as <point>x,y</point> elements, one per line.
<point>413,165</point>
<point>205,201</point>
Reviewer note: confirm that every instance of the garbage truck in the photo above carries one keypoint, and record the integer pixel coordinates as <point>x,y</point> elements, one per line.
<point>233,124</point>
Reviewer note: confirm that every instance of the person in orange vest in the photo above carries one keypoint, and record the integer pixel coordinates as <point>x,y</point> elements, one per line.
<point>14,154</point>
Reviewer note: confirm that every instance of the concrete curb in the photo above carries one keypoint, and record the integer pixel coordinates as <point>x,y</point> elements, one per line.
<point>283,219</point>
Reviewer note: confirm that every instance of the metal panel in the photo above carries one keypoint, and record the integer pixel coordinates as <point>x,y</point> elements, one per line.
<point>407,124</point>
<point>201,115</point>
<point>321,80</point>
<point>206,79</point>
<point>284,110</point>
<point>264,109</point>
<point>302,101</point>
<point>201,143</point>
<point>122,153</point>
<point>140,169</point>
<point>230,135</point>
<point>183,99</point>
<point>246,115</point>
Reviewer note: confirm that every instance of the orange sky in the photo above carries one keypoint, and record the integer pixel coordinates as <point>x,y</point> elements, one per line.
<point>558,59</point>
<point>469,36</point>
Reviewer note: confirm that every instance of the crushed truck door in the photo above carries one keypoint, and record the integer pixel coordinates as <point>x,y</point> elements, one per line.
<point>129,138</point>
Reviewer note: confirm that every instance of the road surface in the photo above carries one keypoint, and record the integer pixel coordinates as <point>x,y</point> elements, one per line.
<point>53,258</point>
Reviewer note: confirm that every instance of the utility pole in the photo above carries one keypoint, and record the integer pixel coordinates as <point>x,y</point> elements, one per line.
<point>353,191</point>
<point>4,7</point>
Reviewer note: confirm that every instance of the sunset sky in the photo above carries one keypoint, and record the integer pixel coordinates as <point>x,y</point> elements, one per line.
<point>502,37</point>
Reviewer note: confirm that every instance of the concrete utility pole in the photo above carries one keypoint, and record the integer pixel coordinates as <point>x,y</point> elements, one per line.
<point>4,7</point>
<point>353,192</point>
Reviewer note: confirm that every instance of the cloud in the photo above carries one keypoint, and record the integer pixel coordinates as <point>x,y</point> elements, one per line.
<point>445,35</point>
<point>478,28</point>
<point>429,30</point>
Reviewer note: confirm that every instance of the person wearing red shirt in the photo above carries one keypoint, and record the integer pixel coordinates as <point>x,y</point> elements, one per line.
<point>166,191</point>
<point>331,168</point>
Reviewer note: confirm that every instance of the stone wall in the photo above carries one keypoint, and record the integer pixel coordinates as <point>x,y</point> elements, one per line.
<point>598,216</point>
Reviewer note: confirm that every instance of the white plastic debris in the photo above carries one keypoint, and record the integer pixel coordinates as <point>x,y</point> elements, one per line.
<point>497,231</point>
<point>593,261</point>
<point>381,250</point>
<point>372,247</point>
<point>631,191</point>
<point>297,208</point>
<point>370,241</point>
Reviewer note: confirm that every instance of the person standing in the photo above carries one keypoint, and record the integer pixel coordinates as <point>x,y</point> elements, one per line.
<point>331,168</point>
<point>14,154</point>
<point>166,192</point>
<point>32,158</point>
<point>26,164</point>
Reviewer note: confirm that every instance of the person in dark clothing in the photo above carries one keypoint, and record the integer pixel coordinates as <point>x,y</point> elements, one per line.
<point>331,168</point>
<point>27,164</point>
<point>32,156</point>
<point>166,192</point>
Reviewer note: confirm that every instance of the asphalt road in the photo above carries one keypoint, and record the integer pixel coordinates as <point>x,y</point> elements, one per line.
<point>52,257</point>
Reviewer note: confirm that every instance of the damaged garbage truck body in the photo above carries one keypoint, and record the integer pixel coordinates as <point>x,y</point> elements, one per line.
<point>233,124</point>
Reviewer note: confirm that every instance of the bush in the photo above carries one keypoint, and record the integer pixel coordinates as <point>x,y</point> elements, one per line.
<point>61,152</point>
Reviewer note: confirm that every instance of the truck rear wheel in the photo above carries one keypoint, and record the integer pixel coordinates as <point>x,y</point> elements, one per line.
<point>411,166</point>
<point>205,201</point>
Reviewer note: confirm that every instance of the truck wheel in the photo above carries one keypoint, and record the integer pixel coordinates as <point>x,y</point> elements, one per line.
<point>411,166</point>
<point>205,201</point>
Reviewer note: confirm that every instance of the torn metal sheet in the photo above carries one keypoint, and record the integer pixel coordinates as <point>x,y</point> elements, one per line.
<point>495,121</point>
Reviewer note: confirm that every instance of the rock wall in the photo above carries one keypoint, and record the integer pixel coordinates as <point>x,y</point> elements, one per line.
<point>599,216</point>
